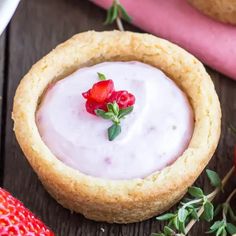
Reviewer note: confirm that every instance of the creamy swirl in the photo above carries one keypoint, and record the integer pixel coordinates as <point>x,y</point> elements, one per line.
<point>153,136</point>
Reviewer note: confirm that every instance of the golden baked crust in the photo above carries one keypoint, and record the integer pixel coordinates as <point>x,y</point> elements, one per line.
<point>120,201</point>
<point>222,10</point>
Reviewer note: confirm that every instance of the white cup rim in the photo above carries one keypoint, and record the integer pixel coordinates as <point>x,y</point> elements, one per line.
<point>7,9</point>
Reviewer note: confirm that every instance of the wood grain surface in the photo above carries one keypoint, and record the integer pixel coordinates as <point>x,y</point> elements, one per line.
<point>36,28</point>
<point>2,70</point>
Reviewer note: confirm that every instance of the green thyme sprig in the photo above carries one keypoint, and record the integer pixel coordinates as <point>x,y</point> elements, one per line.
<point>101,76</point>
<point>197,207</point>
<point>225,226</point>
<point>115,114</point>
<point>115,12</point>
<point>187,211</point>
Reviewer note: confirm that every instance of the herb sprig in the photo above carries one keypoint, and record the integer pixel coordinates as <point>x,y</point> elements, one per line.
<point>222,227</point>
<point>101,76</point>
<point>197,207</point>
<point>115,114</point>
<point>115,12</point>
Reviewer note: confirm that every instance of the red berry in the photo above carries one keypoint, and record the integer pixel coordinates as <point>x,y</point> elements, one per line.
<point>17,220</point>
<point>123,98</point>
<point>86,94</point>
<point>91,106</point>
<point>100,91</point>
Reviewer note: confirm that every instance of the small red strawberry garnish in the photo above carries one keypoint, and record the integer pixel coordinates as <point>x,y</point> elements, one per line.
<point>123,98</point>
<point>92,106</point>
<point>100,91</point>
<point>17,220</point>
<point>104,101</point>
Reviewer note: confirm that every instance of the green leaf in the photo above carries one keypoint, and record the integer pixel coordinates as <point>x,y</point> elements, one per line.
<point>216,226</point>
<point>182,214</point>
<point>166,216</point>
<point>124,112</point>
<point>195,192</point>
<point>170,223</point>
<point>110,107</point>
<point>168,231</point>
<point>115,108</point>
<point>101,76</point>
<point>231,229</point>
<point>182,227</point>
<point>208,213</point>
<point>219,231</point>
<point>214,178</point>
<point>194,214</point>
<point>176,223</point>
<point>103,114</point>
<point>124,13</point>
<point>224,232</point>
<point>114,13</point>
<point>109,15</point>
<point>114,131</point>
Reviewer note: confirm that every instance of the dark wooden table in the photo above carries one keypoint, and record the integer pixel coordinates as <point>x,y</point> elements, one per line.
<point>36,28</point>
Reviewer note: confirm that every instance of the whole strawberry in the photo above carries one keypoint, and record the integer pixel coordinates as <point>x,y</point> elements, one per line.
<point>17,220</point>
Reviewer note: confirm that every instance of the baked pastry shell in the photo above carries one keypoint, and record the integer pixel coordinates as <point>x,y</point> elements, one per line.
<point>222,10</point>
<point>120,201</point>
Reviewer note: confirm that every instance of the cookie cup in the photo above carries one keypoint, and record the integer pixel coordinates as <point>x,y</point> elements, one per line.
<point>120,201</point>
<point>222,10</point>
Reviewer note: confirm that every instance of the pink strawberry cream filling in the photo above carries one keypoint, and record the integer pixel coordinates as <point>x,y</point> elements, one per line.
<point>153,136</point>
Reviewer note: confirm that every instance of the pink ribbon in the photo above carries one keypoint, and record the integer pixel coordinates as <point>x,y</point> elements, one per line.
<point>212,42</point>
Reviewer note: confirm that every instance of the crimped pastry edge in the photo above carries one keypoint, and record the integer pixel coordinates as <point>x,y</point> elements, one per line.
<point>222,10</point>
<point>120,201</point>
